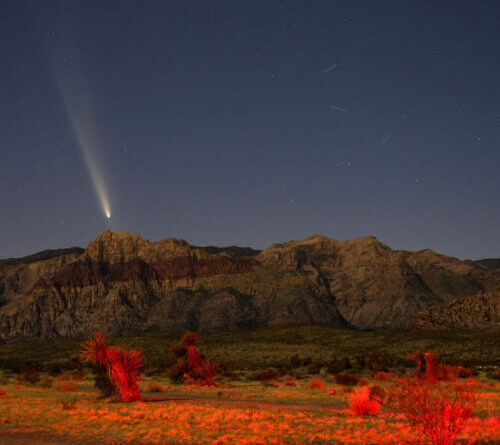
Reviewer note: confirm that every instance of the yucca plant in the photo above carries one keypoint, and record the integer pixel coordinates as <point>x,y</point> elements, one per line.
<point>122,368</point>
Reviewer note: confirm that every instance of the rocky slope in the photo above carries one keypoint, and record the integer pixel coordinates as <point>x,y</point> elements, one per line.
<point>478,312</point>
<point>18,275</point>
<point>123,283</point>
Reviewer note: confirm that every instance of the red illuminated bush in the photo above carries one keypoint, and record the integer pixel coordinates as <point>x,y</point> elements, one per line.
<point>362,403</point>
<point>429,368</point>
<point>438,411</point>
<point>122,366</point>
<point>382,376</point>
<point>316,384</point>
<point>190,365</point>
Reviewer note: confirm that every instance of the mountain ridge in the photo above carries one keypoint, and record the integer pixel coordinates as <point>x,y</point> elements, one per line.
<point>124,283</point>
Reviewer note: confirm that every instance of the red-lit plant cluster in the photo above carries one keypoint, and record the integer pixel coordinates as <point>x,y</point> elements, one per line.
<point>432,371</point>
<point>439,411</point>
<point>122,367</point>
<point>190,365</point>
<point>436,403</point>
<point>433,400</point>
<point>363,402</point>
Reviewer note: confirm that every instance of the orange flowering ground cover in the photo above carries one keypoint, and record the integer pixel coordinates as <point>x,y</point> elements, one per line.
<point>212,416</point>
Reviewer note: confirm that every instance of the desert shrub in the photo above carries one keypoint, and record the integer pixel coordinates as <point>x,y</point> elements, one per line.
<point>4,380</point>
<point>63,384</point>
<point>54,369</point>
<point>362,403</point>
<point>175,373</point>
<point>401,371</point>
<point>338,366</point>
<point>313,368</point>
<point>68,404</point>
<point>154,387</point>
<point>493,374</point>
<point>439,412</point>
<point>465,373</point>
<point>29,376</point>
<point>346,379</point>
<point>360,362</point>
<point>266,375</point>
<point>295,361</point>
<point>271,383</point>
<point>78,374</point>
<point>382,376</point>
<point>377,393</point>
<point>316,384</point>
<point>190,365</point>
<point>429,368</point>
<point>432,369</point>
<point>376,362</point>
<point>190,338</point>
<point>77,363</point>
<point>306,361</point>
<point>299,375</point>
<point>122,366</point>
<point>46,381</point>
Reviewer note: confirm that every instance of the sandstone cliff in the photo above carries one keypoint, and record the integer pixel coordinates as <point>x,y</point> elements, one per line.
<point>123,283</point>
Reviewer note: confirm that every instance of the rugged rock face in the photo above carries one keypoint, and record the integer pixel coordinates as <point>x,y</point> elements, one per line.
<point>374,286</point>
<point>18,275</point>
<point>123,283</point>
<point>479,312</point>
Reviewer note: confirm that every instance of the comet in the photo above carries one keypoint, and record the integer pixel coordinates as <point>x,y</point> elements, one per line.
<point>77,98</point>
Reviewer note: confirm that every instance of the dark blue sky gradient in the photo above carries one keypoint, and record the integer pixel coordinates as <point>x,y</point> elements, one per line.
<point>221,123</point>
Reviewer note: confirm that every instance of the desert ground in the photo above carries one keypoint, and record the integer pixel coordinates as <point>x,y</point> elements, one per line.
<point>301,400</point>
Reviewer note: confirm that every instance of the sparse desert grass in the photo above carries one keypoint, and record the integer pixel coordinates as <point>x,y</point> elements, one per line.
<point>303,416</point>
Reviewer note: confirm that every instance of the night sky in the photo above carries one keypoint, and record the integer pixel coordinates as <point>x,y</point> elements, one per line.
<point>251,122</point>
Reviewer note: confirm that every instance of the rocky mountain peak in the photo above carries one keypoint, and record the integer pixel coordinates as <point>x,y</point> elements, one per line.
<point>120,247</point>
<point>317,248</point>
